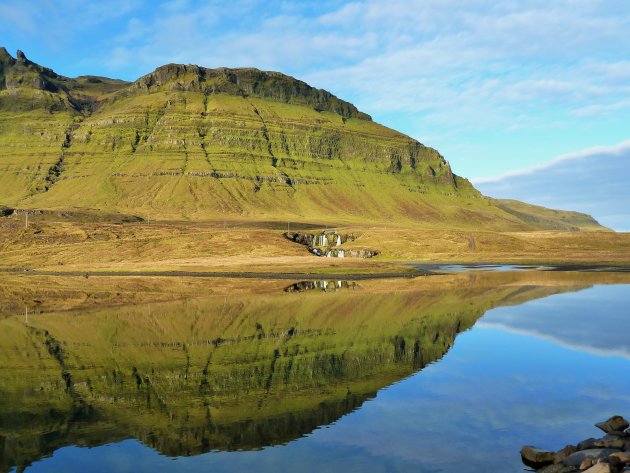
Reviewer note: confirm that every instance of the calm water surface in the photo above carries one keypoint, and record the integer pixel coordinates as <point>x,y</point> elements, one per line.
<point>440,374</point>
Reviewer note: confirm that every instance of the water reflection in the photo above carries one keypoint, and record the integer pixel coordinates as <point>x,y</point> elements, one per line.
<point>458,268</point>
<point>225,372</point>
<point>604,332</point>
<point>322,285</point>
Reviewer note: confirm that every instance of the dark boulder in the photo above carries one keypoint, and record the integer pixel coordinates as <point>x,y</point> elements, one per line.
<point>557,468</point>
<point>619,459</point>
<point>535,457</point>
<point>614,424</point>
<point>614,442</point>
<point>576,459</point>
<point>560,455</point>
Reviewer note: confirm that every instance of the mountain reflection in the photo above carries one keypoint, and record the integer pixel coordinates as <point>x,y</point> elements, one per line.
<point>219,372</point>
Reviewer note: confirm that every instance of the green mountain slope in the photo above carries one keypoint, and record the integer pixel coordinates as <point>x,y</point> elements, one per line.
<point>550,218</point>
<point>196,143</point>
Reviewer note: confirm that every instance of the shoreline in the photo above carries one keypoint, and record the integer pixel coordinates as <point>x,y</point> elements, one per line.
<point>608,454</point>
<point>418,270</point>
<point>224,274</point>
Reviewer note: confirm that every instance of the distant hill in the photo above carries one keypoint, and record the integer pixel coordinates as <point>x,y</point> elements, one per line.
<point>186,142</point>
<point>549,218</point>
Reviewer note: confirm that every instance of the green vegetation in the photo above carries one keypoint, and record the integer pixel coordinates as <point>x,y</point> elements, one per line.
<point>190,143</point>
<point>202,373</point>
<point>549,218</point>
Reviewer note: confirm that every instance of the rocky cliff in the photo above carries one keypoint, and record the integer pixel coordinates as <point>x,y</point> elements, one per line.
<point>186,141</point>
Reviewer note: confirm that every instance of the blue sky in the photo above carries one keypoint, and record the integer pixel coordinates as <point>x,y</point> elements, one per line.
<point>495,86</point>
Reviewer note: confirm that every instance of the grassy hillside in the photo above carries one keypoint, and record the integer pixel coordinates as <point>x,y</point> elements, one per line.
<point>549,218</point>
<point>186,142</point>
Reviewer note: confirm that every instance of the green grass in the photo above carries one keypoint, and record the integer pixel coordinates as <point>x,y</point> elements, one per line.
<point>549,218</point>
<point>176,151</point>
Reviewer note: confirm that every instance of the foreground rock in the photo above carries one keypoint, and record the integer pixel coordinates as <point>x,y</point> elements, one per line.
<point>536,457</point>
<point>614,424</point>
<point>609,454</point>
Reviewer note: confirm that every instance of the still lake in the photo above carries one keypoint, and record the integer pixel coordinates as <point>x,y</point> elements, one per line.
<point>435,374</point>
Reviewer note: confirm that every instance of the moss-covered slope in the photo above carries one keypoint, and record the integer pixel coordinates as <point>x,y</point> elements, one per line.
<point>549,218</point>
<point>185,141</point>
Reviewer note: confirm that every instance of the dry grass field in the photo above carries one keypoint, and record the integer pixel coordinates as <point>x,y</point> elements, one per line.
<point>262,247</point>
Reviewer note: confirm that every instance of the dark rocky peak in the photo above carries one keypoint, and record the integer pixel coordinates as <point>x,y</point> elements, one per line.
<point>5,57</point>
<point>22,72</point>
<point>173,76</point>
<point>243,82</point>
<point>6,62</point>
<point>82,94</point>
<point>21,57</point>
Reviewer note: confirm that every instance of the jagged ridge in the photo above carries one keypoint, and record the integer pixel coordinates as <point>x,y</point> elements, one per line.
<point>244,82</point>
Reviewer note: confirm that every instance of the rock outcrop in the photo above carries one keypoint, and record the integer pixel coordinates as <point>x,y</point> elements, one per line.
<point>321,285</point>
<point>329,244</point>
<point>614,424</point>
<point>610,454</point>
<point>78,95</point>
<point>244,82</point>
<point>323,239</point>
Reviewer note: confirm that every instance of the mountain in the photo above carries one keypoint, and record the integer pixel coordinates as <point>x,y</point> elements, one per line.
<point>551,219</point>
<point>186,142</point>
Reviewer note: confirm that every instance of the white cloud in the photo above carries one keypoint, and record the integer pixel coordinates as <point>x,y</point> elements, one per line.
<point>564,320</point>
<point>594,180</point>
<point>602,109</point>
<point>595,152</point>
<point>481,58</point>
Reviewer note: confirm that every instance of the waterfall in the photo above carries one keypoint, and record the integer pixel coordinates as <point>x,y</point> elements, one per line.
<point>338,240</point>
<point>340,253</point>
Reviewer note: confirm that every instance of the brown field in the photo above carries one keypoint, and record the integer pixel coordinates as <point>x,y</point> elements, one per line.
<point>238,246</point>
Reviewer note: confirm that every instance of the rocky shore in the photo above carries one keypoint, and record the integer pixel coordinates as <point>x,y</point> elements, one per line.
<point>608,454</point>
